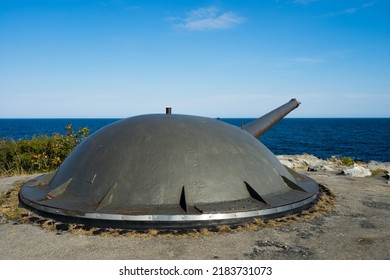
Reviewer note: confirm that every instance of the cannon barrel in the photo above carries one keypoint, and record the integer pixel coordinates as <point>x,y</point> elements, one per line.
<point>261,125</point>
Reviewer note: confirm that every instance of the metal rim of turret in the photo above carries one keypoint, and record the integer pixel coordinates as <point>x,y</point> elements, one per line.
<point>177,218</point>
<point>184,221</point>
<point>170,222</point>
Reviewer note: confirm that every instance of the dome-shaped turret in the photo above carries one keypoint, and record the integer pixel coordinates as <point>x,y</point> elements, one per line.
<point>170,171</point>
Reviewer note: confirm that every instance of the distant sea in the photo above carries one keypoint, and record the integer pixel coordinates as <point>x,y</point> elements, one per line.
<point>361,139</point>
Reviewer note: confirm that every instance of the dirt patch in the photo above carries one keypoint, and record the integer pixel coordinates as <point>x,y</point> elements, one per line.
<point>376,204</point>
<point>264,248</point>
<point>350,230</point>
<point>365,241</point>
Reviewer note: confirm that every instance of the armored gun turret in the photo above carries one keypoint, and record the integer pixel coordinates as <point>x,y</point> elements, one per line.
<point>172,171</point>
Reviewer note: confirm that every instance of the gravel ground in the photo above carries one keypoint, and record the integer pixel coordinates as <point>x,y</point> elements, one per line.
<point>358,228</point>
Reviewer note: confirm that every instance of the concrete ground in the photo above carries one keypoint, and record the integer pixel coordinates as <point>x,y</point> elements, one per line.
<point>358,228</point>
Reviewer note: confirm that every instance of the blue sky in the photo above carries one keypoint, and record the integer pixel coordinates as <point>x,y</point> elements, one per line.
<point>210,58</point>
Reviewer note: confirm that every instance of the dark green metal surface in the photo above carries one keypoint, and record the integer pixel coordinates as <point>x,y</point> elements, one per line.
<point>172,169</point>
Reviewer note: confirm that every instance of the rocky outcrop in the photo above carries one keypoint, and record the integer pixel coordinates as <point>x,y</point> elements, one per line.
<point>301,161</point>
<point>357,171</point>
<point>334,164</point>
<point>375,165</point>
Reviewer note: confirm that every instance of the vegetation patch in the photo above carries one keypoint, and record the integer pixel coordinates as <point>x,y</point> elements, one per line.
<point>347,161</point>
<point>378,171</point>
<point>9,206</point>
<point>40,153</point>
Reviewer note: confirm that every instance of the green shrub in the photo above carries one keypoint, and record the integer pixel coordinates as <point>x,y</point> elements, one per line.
<point>347,161</point>
<point>40,153</point>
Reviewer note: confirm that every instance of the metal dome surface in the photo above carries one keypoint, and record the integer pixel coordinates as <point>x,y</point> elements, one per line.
<point>170,171</point>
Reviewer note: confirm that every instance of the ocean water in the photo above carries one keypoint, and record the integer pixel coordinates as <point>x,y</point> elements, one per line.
<point>361,139</point>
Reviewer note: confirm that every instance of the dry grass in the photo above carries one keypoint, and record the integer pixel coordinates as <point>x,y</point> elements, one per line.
<point>224,229</point>
<point>10,210</point>
<point>378,171</point>
<point>153,232</point>
<point>9,202</point>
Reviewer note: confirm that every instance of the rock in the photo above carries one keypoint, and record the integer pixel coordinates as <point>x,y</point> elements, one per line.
<point>287,163</point>
<point>357,171</point>
<point>309,162</point>
<point>320,167</point>
<point>299,161</point>
<point>372,165</point>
